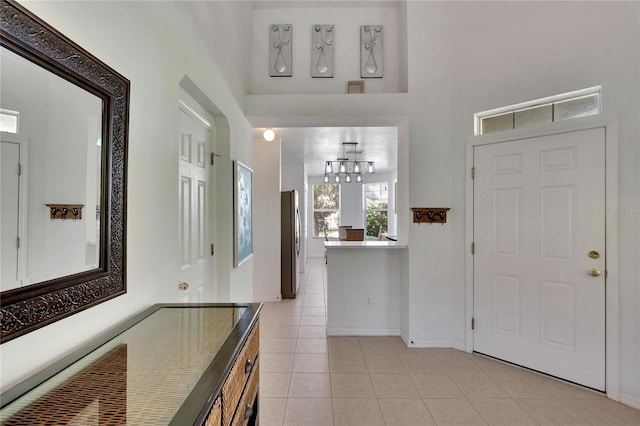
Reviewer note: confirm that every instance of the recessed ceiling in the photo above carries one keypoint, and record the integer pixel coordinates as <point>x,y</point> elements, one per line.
<point>315,145</point>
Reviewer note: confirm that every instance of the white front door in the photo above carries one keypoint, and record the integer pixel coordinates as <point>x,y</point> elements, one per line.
<point>196,266</point>
<point>539,233</point>
<point>9,216</point>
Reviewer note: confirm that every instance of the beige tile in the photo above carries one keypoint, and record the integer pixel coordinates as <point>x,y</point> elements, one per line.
<point>519,385</point>
<point>562,390</point>
<point>454,412</point>
<point>550,412</point>
<point>420,363</point>
<point>286,320</point>
<point>310,385</point>
<point>269,308</point>
<point>347,363</point>
<point>312,346</point>
<point>290,331</point>
<point>343,344</point>
<point>393,386</point>
<point>274,385</point>
<point>314,303</point>
<point>313,320</point>
<point>604,412</point>
<point>291,310</point>
<point>309,411</point>
<point>504,412</point>
<point>348,385</point>
<point>435,386</point>
<point>356,412</point>
<point>313,311</point>
<point>376,344</point>
<point>490,366</point>
<point>272,411</point>
<point>405,412</point>
<point>279,346</point>
<point>384,363</point>
<point>276,363</point>
<point>311,363</point>
<point>478,386</point>
<point>315,331</point>
<point>458,363</point>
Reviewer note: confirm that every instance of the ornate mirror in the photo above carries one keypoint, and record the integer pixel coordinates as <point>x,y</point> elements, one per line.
<point>65,124</point>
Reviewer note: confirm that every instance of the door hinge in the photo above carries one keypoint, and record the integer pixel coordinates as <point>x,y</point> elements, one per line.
<point>473,173</point>
<point>473,323</point>
<point>473,248</point>
<point>212,250</point>
<point>213,157</point>
<point>19,169</point>
<point>17,242</point>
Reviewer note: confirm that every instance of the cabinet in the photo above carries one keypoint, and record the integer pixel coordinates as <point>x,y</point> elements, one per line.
<point>195,364</point>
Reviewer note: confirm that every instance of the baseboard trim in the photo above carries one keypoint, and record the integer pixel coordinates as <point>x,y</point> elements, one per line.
<point>363,332</point>
<point>629,400</point>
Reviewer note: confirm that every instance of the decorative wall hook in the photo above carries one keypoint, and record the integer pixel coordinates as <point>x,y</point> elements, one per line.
<point>64,211</point>
<point>430,214</point>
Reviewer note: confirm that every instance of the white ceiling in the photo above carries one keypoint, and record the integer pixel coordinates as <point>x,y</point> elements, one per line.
<point>315,145</point>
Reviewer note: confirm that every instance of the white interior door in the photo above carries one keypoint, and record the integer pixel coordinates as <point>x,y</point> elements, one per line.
<point>539,219</point>
<point>9,216</point>
<point>196,266</point>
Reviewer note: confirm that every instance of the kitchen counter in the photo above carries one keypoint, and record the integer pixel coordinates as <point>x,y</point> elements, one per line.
<point>364,244</point>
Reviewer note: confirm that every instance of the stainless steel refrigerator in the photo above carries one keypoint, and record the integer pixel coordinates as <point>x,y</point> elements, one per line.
<point>290,243</point>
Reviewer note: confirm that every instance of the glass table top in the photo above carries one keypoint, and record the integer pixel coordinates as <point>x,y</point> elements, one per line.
<point>140,377</point>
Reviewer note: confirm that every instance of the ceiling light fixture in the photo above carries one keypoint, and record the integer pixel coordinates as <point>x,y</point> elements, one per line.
<point>347,167</point>
<point>269,135</point>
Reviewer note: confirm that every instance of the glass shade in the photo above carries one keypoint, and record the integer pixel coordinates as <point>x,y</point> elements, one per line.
<point>343,166</point>
<point>356,167</point>
<point>358,177</point>
<point>337,178</point>
<point>328,168</point>
<point>371,168</point>
<point>326,178</point>
<point>348,178</point>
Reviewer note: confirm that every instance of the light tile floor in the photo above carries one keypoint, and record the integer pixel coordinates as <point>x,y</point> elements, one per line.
<point>307,378</point>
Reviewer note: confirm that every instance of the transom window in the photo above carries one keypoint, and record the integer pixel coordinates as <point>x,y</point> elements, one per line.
<point>326,210</point>
<point>9,121</point>
<point>580,103</point>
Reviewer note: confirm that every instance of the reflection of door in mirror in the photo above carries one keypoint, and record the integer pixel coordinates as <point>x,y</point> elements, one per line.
<point>63,165</point>
<point>196,206</point>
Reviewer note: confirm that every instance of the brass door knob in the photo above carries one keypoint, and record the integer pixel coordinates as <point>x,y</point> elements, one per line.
<point>183,285</point>
<point>593,272</point>
<point>594,254</point>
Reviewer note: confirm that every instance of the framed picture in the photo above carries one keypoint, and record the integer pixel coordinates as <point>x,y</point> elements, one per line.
<point>242,213</point>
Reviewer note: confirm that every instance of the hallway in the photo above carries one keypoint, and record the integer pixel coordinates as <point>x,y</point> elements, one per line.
<point>307,378</point>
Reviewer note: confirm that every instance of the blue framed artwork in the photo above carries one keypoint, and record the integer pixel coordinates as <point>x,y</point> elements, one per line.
<point>242,213</point>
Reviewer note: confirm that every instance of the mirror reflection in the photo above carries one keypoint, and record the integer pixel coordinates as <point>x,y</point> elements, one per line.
<point>52,129</point>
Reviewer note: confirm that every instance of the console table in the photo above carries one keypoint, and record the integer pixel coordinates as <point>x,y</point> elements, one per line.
<point>179,364</point>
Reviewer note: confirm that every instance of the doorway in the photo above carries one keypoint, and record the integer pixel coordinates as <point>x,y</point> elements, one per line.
<point>539,266</point>
<point>195,142</point>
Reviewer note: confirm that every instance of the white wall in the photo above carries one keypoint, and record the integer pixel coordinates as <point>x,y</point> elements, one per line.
<point>145,42</point>
<point>347,22</point>
<point>267,220</point>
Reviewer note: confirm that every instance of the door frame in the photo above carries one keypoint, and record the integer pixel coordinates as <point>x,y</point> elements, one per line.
<point>611,229</point>
<point>23,194</point>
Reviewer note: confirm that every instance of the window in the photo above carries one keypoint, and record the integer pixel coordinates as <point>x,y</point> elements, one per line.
<point>9,121</point>
<point>580,103</point>
<point>326,210</point>
<point>376,198</point>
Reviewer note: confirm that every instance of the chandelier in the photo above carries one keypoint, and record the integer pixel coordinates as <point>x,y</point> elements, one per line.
<point>344,169</point>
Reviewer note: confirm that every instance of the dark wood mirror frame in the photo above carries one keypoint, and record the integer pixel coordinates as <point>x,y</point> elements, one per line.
<point>28,308</point>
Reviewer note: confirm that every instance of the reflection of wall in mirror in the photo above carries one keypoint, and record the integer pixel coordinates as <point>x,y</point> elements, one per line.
<point>61,168</point>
